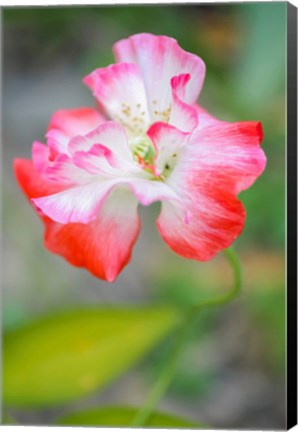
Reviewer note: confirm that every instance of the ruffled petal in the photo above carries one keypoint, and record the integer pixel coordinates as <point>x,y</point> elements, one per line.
<point>183,116</point>
<point>216,218</point>
<point>32,182</point>
<point>227,153</point>
<point>68,123</point>
<point>98,160</point>
<point>83,203</point>
<point>64,170</point>
<point>110,135</point>
<point>76,204</point>
<point>76,121</point>
<point>168,142</point>
<point>104,245</point>
<point>149,191</point>
<point>120,90</point>
<point>40,155</point>
<point>204,118</point>
<point>160,58</point>
<point>57,142</point>
<point>220,160</point>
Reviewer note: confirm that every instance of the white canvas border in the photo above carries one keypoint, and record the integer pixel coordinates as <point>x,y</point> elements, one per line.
<point>25,3</point>
<point>92,429</point>
<point>32,3</point>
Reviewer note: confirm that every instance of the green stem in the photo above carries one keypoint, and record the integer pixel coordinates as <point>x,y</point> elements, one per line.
<point>235,290</point>
<point>168,372</point>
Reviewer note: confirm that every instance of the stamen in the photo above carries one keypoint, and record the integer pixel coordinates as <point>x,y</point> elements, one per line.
<point>142,147</point>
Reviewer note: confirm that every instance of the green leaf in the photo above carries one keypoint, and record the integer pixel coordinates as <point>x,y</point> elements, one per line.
<point>122,416</point>
<point>66,356</point>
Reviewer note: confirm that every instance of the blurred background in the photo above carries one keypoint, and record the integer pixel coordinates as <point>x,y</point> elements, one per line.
<point>232,374</point>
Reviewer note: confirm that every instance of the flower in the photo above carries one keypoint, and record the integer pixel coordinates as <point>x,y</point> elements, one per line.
<point>148,141</point>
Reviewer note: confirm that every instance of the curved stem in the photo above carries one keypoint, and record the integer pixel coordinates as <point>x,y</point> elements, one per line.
<point>235,290</point>
<point>168,372</point>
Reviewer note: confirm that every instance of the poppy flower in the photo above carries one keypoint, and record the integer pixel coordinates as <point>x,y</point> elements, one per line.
<point>147,141</point>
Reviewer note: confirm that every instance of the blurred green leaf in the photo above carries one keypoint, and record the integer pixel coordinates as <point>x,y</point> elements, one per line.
<point>66,356</point>
<point>122,416</point>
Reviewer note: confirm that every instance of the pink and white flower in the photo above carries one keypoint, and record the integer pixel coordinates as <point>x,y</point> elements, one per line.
<point>147,142</point>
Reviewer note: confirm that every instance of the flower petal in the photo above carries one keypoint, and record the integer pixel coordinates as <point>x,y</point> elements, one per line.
<point>149,191</point>
<point>183,116</point>
<point>220,160</point>
<point>82,203</point>
<point>205,119</point>
<point>76,204</point>
<point>67,123</point>
<point>63,170</point>
<point>216,219</point>
<point>76,121</point>
<point>98,160</point>
<point>160,58</point>
<point>104,245</point>
<point>228,152</point>
<point>109,134</point>
<point>32,182</point>
<point>120,90</point>
<point>40,155</point>
<point>168,142</point>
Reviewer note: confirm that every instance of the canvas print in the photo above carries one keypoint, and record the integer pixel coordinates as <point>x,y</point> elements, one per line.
<point>144,216</point>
